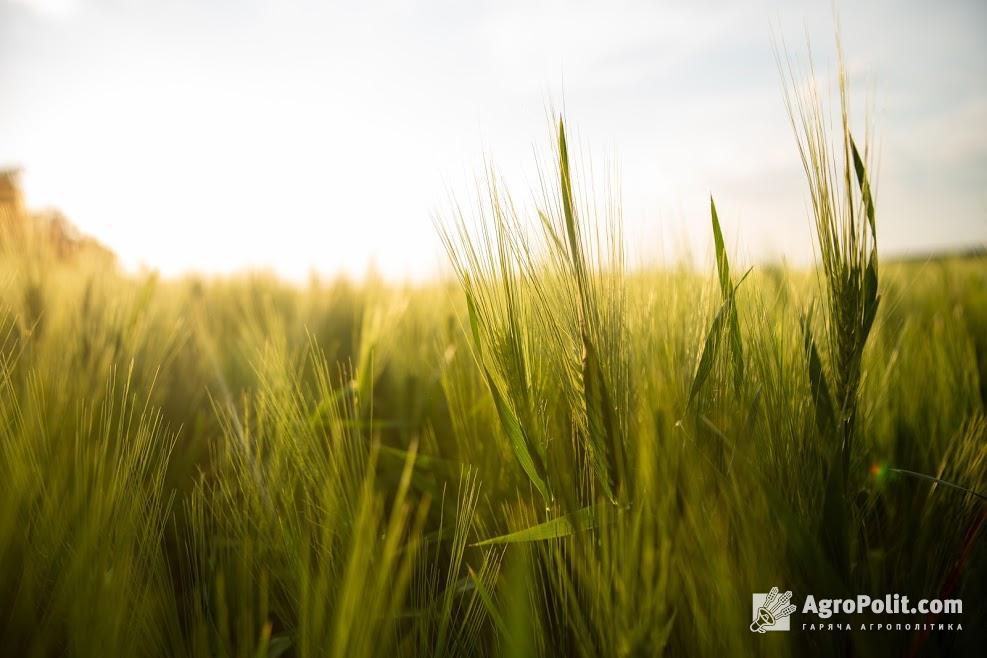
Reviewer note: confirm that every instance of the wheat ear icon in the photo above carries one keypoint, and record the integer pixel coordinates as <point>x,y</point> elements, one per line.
<point>773,609</point>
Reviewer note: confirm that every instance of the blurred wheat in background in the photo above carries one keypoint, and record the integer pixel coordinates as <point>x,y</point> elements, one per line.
<point>554,454</point>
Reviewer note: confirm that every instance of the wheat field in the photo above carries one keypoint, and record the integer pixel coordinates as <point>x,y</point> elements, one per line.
<point>548,454</point>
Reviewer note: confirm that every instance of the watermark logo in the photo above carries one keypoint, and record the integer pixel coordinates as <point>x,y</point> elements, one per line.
<point>771,611</point>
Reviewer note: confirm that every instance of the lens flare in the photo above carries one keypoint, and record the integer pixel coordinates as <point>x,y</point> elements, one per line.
<point>879,471</point>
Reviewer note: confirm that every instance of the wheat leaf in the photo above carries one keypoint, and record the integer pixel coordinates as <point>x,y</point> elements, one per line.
<point>519,440</point>
<point>556,528</point>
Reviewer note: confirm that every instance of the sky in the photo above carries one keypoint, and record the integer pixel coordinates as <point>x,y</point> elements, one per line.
<point>298,136</point>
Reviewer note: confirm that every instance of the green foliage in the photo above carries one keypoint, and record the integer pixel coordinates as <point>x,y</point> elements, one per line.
<point>561,526</point>
<point>847,238</point>
<point>526,452</point>
<point>728,290</point>
<point>528,461</point>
